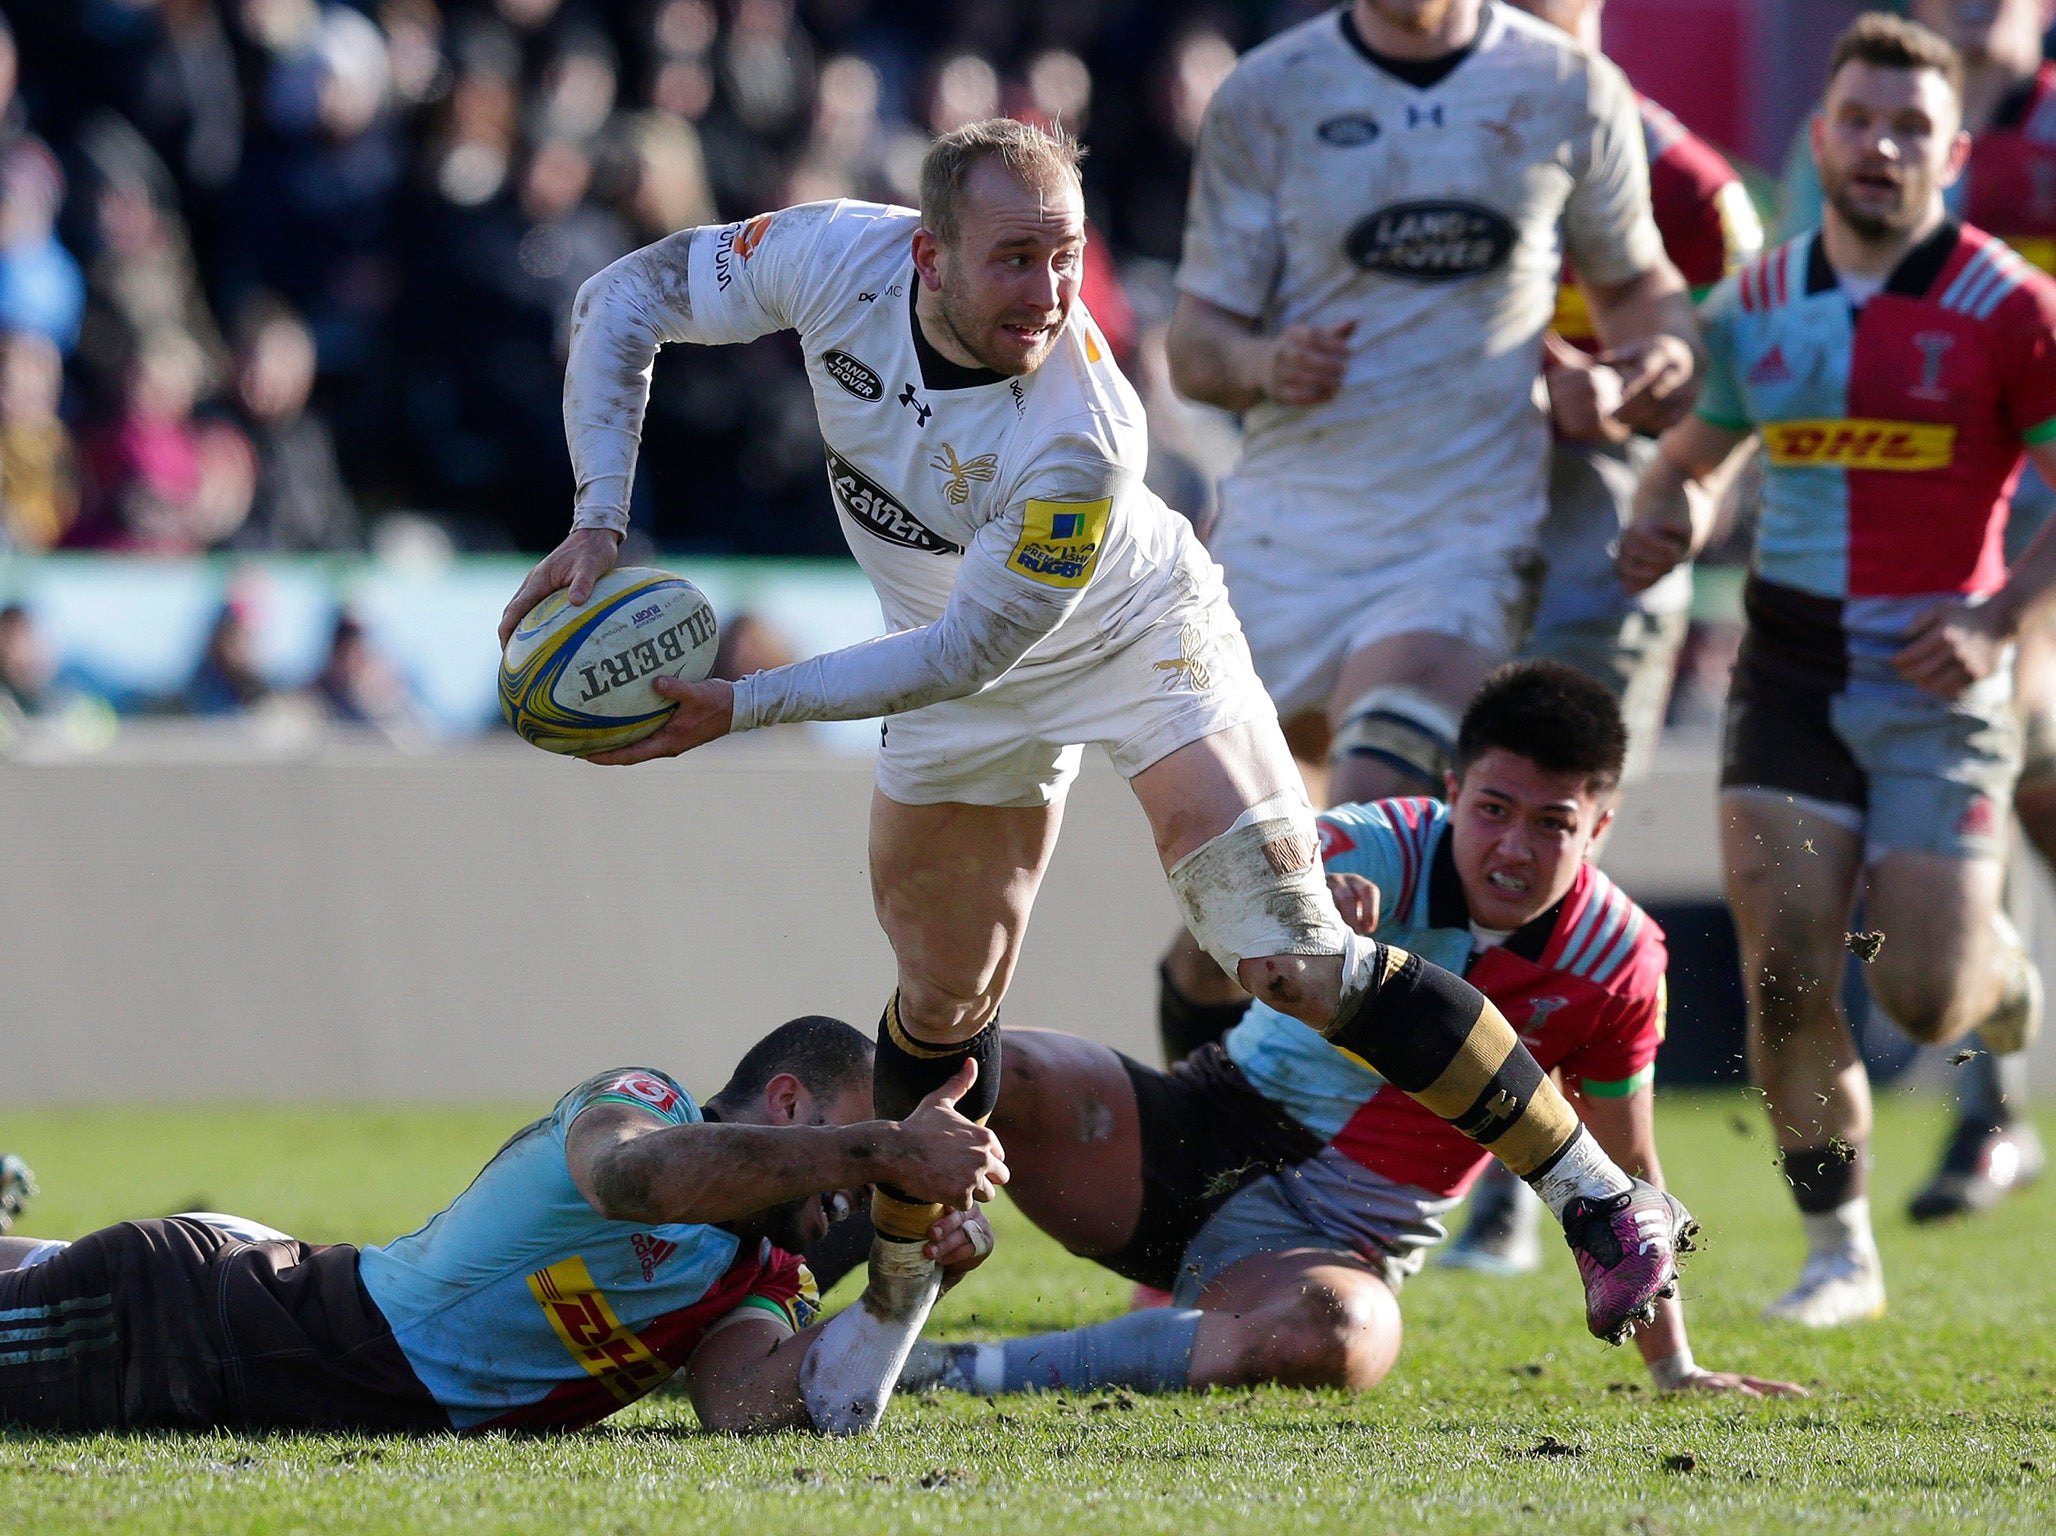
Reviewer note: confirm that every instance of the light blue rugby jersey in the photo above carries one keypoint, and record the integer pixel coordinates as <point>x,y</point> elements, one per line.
<point>520,1304</point>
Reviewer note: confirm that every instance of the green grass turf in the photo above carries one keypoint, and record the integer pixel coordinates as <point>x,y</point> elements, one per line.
<point>1941,1417</point>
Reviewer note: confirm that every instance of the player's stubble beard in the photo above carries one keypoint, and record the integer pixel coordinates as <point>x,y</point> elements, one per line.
<point>1424,17</point>
<point>1868,225</point>
<point>965,325</point>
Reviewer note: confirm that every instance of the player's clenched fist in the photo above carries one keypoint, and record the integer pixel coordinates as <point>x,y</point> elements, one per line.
<point>1307,363</point>
<point>941,1157</point>
<point>1663,535</point>
<point>583,558</point>
<point>1356,899</point>
<point>1657,378</point>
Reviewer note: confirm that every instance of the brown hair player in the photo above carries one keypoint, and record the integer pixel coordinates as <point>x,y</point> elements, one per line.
<point>1896,366</point>
<point>2008,188</point>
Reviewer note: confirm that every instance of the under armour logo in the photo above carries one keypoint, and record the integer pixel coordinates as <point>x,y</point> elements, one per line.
<point>867,298</point>
<point>921,412</point>
<point>1504,1106</point>
<point>1415,116</point>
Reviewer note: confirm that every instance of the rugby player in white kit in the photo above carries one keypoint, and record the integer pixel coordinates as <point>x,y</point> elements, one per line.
<point>1383,198</point>
<point>986,456</point>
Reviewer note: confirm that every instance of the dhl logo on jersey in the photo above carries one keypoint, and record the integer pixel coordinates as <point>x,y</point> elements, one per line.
<point>1860,443</point>
<point>594,1334</point>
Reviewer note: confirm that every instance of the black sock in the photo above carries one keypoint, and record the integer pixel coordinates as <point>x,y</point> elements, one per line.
<point>904,1073</point>
<point>1824,1178</point>
<point>1184,1026</point>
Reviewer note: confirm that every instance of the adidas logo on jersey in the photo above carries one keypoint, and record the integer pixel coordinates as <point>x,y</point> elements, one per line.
<point>650,1252</point>
<point>1771,368</point>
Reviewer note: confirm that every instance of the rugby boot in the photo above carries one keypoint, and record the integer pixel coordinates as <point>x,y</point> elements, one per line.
<point>1981,1166</point>
<point>1627,1248</point>
<point>2014,1024</point>
<point>1841,1286</point>
<point>17,1189</point>
<point>1503,1236</point>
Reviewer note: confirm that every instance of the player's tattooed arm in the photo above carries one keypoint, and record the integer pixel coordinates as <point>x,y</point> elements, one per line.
<point>631,1165</point>
<point>1677,498</point>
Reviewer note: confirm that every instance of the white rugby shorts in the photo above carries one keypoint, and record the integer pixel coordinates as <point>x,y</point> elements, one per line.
<point>1184,674</point>
<point>1305,611</point>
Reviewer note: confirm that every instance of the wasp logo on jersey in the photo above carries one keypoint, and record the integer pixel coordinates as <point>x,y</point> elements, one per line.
<point>1861,443</point>
<point>1059,541</point>
<point>872,509</point>
<point>957,474</point>
<point>1432,241</point>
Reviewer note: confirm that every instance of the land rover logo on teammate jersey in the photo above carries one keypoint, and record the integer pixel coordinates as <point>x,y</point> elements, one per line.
<point>874,511</point>
<point>1431,241</point>
<point>853,375</point>
<point>1349,130</point>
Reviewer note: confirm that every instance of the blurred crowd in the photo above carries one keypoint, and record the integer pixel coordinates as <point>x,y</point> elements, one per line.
<point>271,267</point>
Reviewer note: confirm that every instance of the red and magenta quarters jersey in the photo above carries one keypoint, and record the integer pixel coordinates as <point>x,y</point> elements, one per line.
<point>519,1305</point>
<point>1583,984</point>
<point>1894,433</point>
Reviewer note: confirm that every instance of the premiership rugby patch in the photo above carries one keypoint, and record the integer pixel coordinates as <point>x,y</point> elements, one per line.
<point>1059,541</point>
<point>1860,443</point>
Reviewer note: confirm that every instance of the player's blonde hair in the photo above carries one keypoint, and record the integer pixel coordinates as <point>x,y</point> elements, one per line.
<point>1036,157</point>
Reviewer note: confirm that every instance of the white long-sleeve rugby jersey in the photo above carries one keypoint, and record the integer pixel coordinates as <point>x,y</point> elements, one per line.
<point>1002,520</point>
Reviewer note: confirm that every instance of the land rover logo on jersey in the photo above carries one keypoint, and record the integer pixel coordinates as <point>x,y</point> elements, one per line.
<point>853,375</point>
<point>872,510</point>
<point>1431,241</point>
<point>1349,130</point>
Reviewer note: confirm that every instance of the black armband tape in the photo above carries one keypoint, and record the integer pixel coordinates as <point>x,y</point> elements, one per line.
<point>1504,1100</point>
<point>1411,1029</point>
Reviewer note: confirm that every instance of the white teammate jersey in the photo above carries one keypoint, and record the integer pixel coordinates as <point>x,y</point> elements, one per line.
<point>1002,520</point>
<point>1326,189</point>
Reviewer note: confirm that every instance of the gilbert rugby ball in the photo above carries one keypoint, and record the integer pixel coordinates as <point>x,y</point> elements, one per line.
<point>577,680</point>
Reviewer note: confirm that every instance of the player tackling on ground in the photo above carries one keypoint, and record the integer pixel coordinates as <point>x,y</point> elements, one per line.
<point>1383,198</point>
<point>1894,365</point>
<point>987,457</point>
<point>1281,1193</point>
<point>626,1236</point>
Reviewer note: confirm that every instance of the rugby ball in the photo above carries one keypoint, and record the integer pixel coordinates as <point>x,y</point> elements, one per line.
<point>578,680</point>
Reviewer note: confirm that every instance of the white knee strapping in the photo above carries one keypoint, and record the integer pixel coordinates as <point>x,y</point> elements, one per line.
<point>1402,726</point>
<point>1258,888</point>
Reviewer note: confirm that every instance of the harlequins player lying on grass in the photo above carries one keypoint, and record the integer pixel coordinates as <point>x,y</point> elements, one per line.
<point>629,1234</point>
